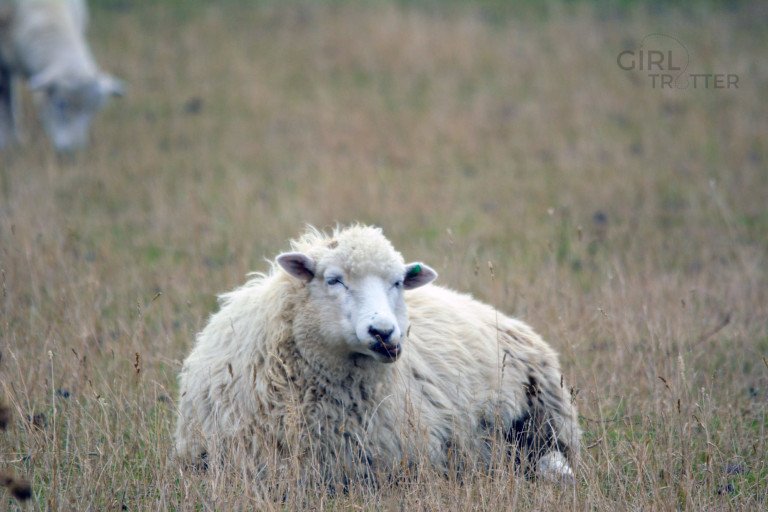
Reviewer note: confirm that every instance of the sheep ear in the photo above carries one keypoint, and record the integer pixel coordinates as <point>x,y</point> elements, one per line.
<point>298,265</point>
<point>111,86</point>
<point>418,274</point>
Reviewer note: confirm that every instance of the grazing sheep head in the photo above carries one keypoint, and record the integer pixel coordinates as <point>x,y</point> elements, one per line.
<point>68,106</point>
<point>355,283</point>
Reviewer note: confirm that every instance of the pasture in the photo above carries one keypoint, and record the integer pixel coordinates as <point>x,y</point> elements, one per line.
<point>502,145</point>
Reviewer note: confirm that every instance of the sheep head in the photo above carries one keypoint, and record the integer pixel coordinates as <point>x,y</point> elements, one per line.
<point>355,283</point>
<point>68,104</point>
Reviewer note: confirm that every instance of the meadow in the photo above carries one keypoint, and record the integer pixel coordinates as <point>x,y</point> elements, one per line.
<point>502,145</point>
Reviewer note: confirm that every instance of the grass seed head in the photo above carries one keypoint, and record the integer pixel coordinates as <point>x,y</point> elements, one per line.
<point>38,421</point>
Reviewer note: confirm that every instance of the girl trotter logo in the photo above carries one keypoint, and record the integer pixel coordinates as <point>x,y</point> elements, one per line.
<point>664,57</point>
<point>665,60</point>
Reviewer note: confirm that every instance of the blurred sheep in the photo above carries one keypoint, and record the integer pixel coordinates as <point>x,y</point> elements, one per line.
<point>43,41</point>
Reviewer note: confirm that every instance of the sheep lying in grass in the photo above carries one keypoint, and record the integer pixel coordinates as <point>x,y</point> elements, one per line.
<point>342,360</point>
<point>44,41</point>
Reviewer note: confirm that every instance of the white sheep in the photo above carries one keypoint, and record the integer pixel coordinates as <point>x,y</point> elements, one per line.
<point>44,42</point>
<point>336,360</point>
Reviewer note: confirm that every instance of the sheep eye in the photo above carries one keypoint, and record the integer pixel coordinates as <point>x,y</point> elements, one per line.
<point>332,281</point>
<point>398,284</point>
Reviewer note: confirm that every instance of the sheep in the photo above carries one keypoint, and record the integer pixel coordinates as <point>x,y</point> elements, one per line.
<point>44,42</point>
<point>346,360</point>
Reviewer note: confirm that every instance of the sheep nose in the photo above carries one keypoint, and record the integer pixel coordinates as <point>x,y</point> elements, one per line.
<point>381,335</point>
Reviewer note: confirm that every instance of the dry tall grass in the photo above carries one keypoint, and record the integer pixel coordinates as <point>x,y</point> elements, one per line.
<point>628,225</point>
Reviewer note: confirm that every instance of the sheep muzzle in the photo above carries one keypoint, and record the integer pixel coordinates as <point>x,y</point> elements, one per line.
<point>390,352</point>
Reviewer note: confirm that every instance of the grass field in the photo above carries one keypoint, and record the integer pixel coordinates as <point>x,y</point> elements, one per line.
<point>503,146</point>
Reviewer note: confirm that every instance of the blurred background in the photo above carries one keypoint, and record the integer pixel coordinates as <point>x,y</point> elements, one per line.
<point>502,143</point>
